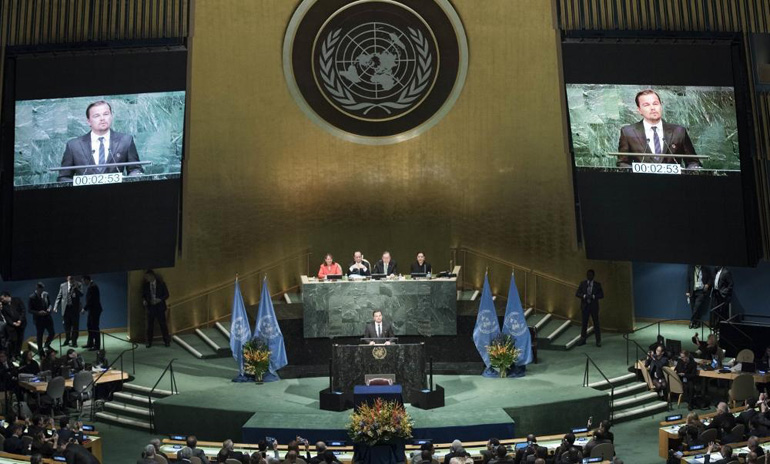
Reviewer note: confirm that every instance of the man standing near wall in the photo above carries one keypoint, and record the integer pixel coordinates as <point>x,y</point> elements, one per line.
<point>40,307</point>
<point>68,300</point>
<point>700,279</point>
<point>154,296</point>
<point>94,308</point>
<point>590,292</point>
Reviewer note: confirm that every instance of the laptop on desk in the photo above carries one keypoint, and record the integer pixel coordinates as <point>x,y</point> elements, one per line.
<point>379,276</point>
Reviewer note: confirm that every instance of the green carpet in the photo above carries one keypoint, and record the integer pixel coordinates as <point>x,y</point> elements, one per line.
<point>636,441</point>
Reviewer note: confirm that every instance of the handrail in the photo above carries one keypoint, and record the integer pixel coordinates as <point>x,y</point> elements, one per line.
<point>516,266</point>
<point>612,387</point>
<point>174,390</point>
<point>93,382</point>
<point>134,346</point>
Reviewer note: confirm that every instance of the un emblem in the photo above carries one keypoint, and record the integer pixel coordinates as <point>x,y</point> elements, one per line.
<point>268,328</point>
<point>486,321</point>
<point>379,352</point>
<point>514,323</point>
<point>375,71</point>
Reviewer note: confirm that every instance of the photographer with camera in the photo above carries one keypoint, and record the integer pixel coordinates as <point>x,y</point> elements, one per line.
<point>655,362</point>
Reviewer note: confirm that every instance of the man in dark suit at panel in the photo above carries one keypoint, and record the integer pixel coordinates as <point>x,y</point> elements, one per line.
<point>590,292</point>
<point>68,300</point>
<point>379,329</point>
<point>653,135</point>
<point>94,308</point>
<point>154,296</point>
<point>40,308</point>
<point>101,146</point>
<point>700,280</point>
<point>386,265</point>
<point>359,267</point>
<point>722,295</point>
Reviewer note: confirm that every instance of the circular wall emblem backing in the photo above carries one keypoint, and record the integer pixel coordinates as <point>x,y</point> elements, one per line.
<point>379,352</point>
<point>375,71</point>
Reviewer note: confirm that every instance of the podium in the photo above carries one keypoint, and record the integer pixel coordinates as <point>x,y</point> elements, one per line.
<point>350,363</point>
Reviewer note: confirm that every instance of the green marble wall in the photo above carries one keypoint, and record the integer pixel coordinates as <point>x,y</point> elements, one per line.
<point>597,112</point>
<point>43,127</point>
<point>342,309</point>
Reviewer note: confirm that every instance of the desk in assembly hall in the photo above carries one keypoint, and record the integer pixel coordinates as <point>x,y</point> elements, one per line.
<point>94,444</point>
<point>341,308</point>
<point>110,376</point>
<point>668,433</point>
<point>697,457</point>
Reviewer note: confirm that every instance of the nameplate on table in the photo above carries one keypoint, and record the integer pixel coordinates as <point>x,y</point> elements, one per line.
<point>97,179</point>
<point>656,168</point>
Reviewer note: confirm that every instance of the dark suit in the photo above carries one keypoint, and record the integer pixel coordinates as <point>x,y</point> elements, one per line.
<point>361,272</point>
<point>589,306</point>
<point>77,454</point>
<point>41,316</point>
<point>722,294</point>
<point>674,141</point>
<point>69,303</point>
<point>379,268</point>
<point>699,299</point>
<point>14,312</point>
<point>724,421</point>
<point>79,153</point>
<point>371,331</point>
<point>425,268</point>
<point>156,310</point>
<point>94,308</point>
<point>195,452</point>
<point>14,445</point>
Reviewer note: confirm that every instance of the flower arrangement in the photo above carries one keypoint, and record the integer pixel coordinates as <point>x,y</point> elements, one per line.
<point>256,358</point>
<point>503,353</point>
<point>379,422</point>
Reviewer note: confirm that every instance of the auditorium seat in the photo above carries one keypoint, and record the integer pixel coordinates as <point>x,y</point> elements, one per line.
<point>604,450</point>
<point>232,461</point>
<point>745,355</point>
<point>739,431</point>
<point>675,385</point>
<point>160,459</point>
<point>708,436</point>
<point>196,460</point>
<point>742,389</point>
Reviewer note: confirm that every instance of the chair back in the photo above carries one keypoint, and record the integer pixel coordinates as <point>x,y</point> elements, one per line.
<point>81,381</point>
<point>26,440</point>
<point>55,388</point>
<point>708,436</point>
<point>232,461</point>
<point>743,388</point>
<point>645,375</point>
<point>160,459</point>
<point>196,460</point>
<point>745,355</point>
<point>605,451</point>
<point>738,431</point>
<point>675,384</point>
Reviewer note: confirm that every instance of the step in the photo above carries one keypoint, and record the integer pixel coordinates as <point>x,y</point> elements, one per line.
<point>222,329</point>
<point>217,340</point>
<point>195,346</point>
<point>630,389</point>
<point>543,321</point>
<point>535,317</point>
<point>528,312</point>
<point>558,330</point>
<point>636,400</point>
<point>133,398</point>
<point>615,381</point>
<point>142,390</point>
<point>124,421</point>
<point>127,410</point>
<point>645,410</point>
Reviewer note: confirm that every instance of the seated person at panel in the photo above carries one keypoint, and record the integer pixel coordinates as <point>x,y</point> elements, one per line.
<point>378,329</point>
<point>709,349</point>
<point>386,265</point>
<point>421,266</point>
<point>329,267</point>
<point>359,268</point>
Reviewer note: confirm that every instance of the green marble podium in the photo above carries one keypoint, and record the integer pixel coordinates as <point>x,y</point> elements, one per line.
<point>414,307</point>
<point>351,363</point>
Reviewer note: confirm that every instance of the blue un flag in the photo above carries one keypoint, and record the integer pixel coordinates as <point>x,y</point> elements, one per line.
<point>266,329</point>
<point>240,332</point>
<point>487,328</point>
<point>515,325</point>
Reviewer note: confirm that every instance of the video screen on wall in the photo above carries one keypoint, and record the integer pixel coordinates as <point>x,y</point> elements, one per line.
<point>660,144</point>
<point>98,140</point>
<point>654,128</point>
<point>95,142</point>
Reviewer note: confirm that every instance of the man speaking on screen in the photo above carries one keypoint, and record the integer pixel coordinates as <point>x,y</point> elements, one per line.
<point>102,147</point>
<point>654,136</point>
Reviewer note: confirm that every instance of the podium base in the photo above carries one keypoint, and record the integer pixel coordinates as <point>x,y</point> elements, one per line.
<point>425,399</point>
<point>335,401</point>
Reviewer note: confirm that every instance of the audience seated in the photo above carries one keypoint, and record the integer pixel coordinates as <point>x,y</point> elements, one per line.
<point>562,452</point>
<point>724,420</point>
<point>148,455</point>
<point>489,453</point>
<point>50,362</point>
<point>501,456</point>
<point>294,446</point>
<point>155,442</point>
<point>192,442</point>
<point>455,450</point>
<point>426,449</point>
<point>227,452</point>
<point>757,429</point>
<point>523,453</point>
<point>320,449</point>
<point>74,361</point>
<point>601,435</point>
<point>75,453</point>
<point>330,458</point>
<point>752,458</point>
<point>28,364</point>
<point>14,444</point>
<point>726,451</point>
<point>753,445</point>
<point>36,459</point>
<point>184,455</point>
<point>43,445</point>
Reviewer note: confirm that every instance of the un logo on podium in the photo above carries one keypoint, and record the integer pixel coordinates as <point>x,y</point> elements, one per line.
<point>379,352</point>
<point>375,71</point>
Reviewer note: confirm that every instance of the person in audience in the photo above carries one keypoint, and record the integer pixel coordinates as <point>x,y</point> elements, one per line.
<point>294,446</point>
<point>501,456</point>
<point>43,445</point>
<point>693,420</point>
<point>567,443</point>
<point>358,267</point>
<point>36,459</point>
<point>329,267</point>
<point>456,449</point>
<point>687,371</point>
<point>420,266</point>
<point>753,445</point>
<point>728,436</point>
<point>539,461</point>
<point>292,458</point>
<point>148,455</point>
<point>74,361</point>
<point>228,452</point>
<point>155,442</point>
<point>15,316</point>
<point>765,360</point>
<point>531,449</point>
<point>28,365</point>
<point>601,435</point>
<point>710,348</point>
<point>659,341</point>
<point>758,430</point>
<point>573,456</point>
<point>37,425</point>
<point>40,307</point>
<point>330,457</point>
<point>50,362</point>
<point>426,457</point>
<point>14,444</point>
<point>320,449</point>
<point>192,443</point>
<point>417,455</point>
<point>489,453</point>
<point>750,413</point>
<point>274,457</point>
<point>655,363</point>
<point>723,420</point>
<point>726,451</point>
<point>184,455</point>
<point>8,373</point>
<point>690,437</point>
<point>752,458</point>
<point>386,265</point>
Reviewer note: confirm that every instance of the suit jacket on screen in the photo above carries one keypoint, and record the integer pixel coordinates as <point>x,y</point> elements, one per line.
<point>78,153</point>
<point>675,141</point>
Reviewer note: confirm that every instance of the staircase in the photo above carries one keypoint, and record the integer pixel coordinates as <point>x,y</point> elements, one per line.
<point>206,343</point>
<point>632,398</point>
<point>131,407</point>
<point>554,333</point>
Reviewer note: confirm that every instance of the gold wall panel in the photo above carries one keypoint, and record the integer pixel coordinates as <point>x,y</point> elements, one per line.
<point>262,181</point>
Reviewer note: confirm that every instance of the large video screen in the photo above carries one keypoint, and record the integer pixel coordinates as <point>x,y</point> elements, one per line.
<point>661,147</point>
<point>98,140</point>
<point>654,129</point>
